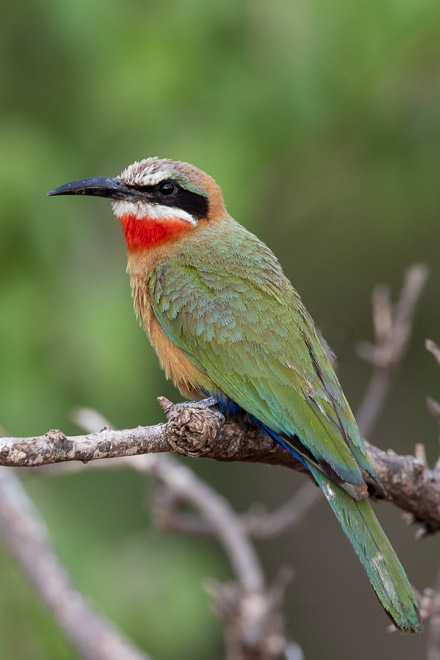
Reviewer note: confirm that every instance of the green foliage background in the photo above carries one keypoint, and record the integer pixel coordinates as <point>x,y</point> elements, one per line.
<point>321,121</point>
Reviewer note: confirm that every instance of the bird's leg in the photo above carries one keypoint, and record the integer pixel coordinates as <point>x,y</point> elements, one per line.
<point>209,402</point>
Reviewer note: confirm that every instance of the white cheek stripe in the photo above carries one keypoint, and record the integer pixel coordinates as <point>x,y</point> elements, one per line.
<point>154,211</point>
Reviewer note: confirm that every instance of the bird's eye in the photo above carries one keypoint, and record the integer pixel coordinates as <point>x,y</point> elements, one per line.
<point>167,188</point>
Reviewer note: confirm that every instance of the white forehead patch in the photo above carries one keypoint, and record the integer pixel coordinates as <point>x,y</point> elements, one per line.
<point>148,172</point>
<point>152,211</point>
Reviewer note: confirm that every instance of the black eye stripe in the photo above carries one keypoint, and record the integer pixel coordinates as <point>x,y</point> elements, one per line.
<point>191,202</point>
<point>194,204</point>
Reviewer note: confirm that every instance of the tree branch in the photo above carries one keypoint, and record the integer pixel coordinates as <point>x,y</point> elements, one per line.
<point>198,429</point>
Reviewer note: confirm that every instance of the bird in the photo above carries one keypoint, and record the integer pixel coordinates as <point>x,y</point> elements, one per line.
<point>227,323</point>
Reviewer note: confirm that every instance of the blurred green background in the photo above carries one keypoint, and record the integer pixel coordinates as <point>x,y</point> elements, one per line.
<point>321,121</point>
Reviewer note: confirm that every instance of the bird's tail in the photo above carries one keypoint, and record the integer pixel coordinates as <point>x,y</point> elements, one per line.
<point>375,552</point>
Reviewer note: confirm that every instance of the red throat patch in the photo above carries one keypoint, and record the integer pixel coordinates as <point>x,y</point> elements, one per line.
<point>145,232</point>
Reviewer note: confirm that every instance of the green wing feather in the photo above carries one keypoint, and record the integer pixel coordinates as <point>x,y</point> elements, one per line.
<point>239,320</point>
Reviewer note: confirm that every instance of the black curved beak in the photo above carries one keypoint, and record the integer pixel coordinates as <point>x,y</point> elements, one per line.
<point>96,187</point>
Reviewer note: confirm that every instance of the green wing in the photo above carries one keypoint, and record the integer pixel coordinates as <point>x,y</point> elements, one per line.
<point>239,320</point>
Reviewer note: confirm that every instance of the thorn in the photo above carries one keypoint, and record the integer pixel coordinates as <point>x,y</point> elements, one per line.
<point>391,628</point>
<point>56,436</point>
<point>420,454</point>
<point>293,651</point>
<point>165,404</point>
<point>433,407</point>
<point>284,576</point>
<point>408,518</point>
<point>422,532</point>
<point>382,313</point>
<point>432,347</point>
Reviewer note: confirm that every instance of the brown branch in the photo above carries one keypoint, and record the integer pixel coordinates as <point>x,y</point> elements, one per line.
<point>198,429</point>
<point>55,447</point>
<point>93,636</point>
<point>195,429</point>
<point>410,485</point>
